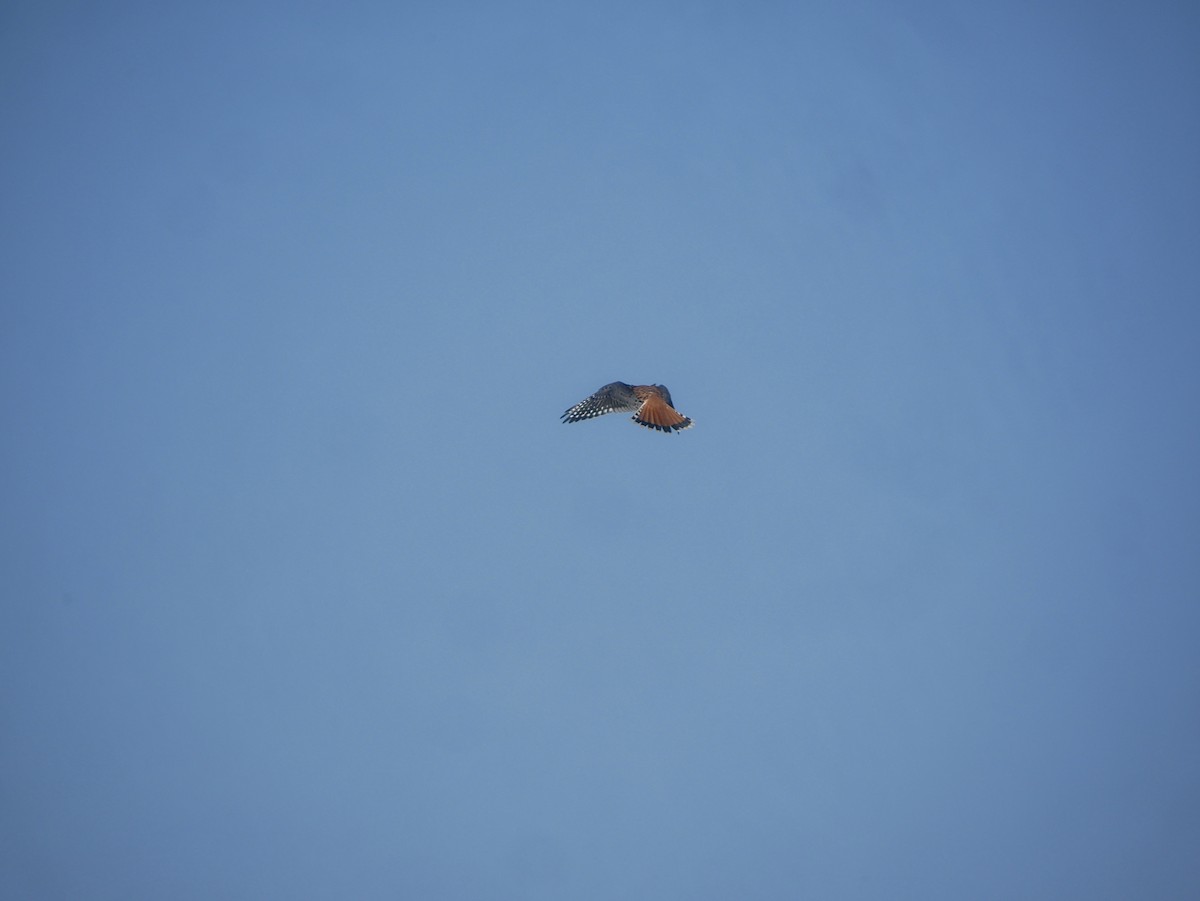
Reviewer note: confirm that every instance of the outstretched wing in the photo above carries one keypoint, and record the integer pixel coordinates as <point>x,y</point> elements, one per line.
<point>616,397</point>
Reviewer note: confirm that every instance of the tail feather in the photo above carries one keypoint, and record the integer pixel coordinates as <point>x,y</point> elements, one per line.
<point>656,413</point>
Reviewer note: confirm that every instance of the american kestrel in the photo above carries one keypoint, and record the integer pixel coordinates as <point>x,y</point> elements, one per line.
<point>650,404</point>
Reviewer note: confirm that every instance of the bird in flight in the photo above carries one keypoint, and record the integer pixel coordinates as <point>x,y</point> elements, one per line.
<point>650,405</point>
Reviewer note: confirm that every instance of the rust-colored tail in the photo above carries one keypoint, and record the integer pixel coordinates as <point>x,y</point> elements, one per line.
<point>656,413</point>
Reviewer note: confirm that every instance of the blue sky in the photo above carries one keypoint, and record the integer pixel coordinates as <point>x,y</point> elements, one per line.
<point>307,592</point>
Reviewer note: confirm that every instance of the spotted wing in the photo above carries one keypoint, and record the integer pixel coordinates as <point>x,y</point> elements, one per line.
<point>616,397</point>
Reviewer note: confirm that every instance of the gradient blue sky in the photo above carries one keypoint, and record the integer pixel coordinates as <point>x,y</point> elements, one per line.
<point>307,592</point>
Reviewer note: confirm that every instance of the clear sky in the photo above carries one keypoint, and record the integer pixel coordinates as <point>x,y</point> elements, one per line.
<point>307,592</point>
